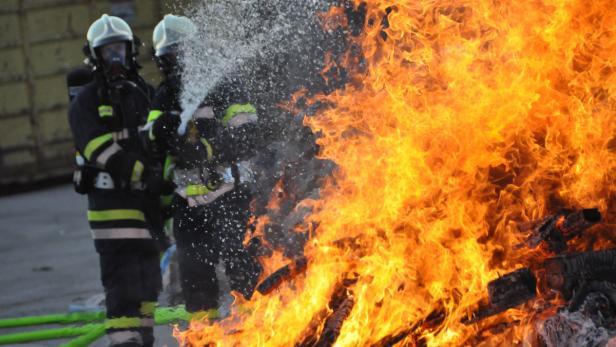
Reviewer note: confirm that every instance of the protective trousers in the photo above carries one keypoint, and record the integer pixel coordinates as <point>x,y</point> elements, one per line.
<point>205,235</point>
<point>198,255</point>
<point>230,228</point>
<point>132,282</point>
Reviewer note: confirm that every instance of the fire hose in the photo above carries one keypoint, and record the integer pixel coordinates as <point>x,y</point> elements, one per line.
<point>93,327</point>
<point>86,333</point>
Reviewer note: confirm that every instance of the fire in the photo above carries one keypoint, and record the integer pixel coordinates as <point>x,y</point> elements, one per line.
<point>276,196</point>
<point>464,119</point>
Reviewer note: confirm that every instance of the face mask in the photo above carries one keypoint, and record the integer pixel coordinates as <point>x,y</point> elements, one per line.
<point>114,60</point>
<point>168,64</point>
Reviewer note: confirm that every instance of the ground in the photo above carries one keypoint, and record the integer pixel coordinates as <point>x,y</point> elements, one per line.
<point>47,257</point>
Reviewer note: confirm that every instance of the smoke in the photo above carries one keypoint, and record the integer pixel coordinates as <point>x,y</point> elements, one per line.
<point>235,37</point>
<point>271,49</point>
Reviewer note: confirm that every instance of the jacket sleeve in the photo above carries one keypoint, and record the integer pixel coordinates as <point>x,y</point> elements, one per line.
<point>96,143</point>
<point>157,147</point>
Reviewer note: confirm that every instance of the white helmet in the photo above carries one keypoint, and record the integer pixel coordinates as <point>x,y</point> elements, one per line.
<point>108,29</point>
<point>170,31</point>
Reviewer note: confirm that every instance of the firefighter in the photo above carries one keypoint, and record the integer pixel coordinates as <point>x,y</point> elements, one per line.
<point>76,80</point>
<point>208,222</point>
<point>104,119</point>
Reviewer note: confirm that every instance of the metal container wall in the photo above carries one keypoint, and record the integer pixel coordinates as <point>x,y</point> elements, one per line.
<point>40,41</point>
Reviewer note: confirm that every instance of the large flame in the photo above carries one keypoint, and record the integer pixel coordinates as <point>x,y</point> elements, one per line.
<point>462,118</point>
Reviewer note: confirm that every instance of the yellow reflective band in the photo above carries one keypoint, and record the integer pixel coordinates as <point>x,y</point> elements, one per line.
<point>208,147</point>
<point>209,314</point>
<point>121,233</point>
<point>168,167</point>
<point>95,144</point>
<point>235,109</point>
<point>147,308</point>
<point>137,172</point>
<point>111,215</point>
<point>197,189</point>
<point>122,323</point>
<point>105,111</point>
<point>168,226</point>
<point>153,115</point>
<point>151,134</point>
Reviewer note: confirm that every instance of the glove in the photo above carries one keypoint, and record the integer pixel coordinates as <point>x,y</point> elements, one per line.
<point>165,126</point>
<point>155,184</point>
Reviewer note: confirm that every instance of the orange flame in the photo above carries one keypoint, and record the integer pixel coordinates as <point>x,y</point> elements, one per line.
<point>277,196</point>
<point>468,117</point>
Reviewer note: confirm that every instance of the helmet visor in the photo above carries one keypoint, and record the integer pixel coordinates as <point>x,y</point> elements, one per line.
<point>113,53</point>
<point>168,63</point>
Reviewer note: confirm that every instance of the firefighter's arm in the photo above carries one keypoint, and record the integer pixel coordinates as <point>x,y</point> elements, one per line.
<point>96,143</point>
<point>160,132</point>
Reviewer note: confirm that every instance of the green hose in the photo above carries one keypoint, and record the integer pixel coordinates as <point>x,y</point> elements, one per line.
<point>67,318</point>
<point>86,339</point>
<point>166,315</point>
<point>87,333</point>
<point>47,334</point>
<point>163,315</point>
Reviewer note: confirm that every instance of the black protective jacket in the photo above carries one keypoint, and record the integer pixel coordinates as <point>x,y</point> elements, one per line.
<point>230,136</point>
<point>104,122</point>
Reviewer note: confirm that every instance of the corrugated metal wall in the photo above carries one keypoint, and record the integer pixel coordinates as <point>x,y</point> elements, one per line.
<point>40,40</point>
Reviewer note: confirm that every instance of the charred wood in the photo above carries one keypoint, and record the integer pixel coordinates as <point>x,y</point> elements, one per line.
<point>512,289</point>
<point>554,231</point>
<point>576,222</point>
<point>574,276</point>
<point>285,273</point>
<point>568,274</point>
<point>508,291</point>
<point>605,288</point>
<point>429,323</point>
<point>333,323</point>
<point>310,333</point>
<point>324,327</point>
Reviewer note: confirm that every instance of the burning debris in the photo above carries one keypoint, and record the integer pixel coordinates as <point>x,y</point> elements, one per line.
<point>557,229</point>
<point>413,146</point>
<point>575,275</point>
<point>325,326</point>
<point>428,324</point>
<point>286,272</point>
<point>511,290</point>
<point>585,281</point>
<point>572,276</point>
<point>566,274</point>
<point>341,309</point>
<point>581,328</point>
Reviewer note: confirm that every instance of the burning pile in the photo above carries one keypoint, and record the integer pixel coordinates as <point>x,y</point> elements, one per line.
<point>463,125</point>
